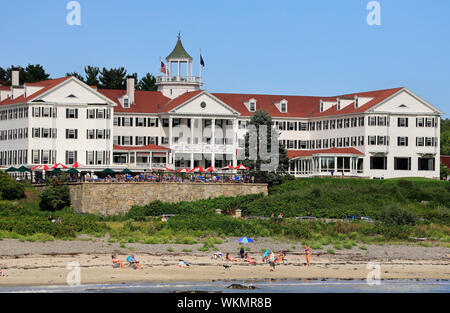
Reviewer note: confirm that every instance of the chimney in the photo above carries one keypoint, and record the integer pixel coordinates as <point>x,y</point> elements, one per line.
<point>15,76</point>
<point>130,89</point>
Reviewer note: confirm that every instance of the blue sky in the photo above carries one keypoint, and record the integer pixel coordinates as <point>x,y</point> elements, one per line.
<point>317,48</point>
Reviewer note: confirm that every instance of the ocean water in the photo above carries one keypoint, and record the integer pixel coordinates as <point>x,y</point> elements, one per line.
<point>282,286</point>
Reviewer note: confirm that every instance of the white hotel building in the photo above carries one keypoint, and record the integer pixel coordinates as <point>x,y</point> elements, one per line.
<point>377,134</point>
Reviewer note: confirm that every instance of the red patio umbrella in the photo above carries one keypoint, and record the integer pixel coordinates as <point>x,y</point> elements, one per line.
<point>59,166</point>
<point>228,167</point>
<point>210,169</point>
<point>197,169</point>
<point>76,165</point>
<point>183,170</point>
<point>40,167</point>
<point>242,167</point>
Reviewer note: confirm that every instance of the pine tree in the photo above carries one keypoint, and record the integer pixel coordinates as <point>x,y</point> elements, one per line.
<point>148,83</point>
<point>114,78</point>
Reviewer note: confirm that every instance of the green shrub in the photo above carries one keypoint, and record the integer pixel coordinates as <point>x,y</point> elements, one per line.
<point>10,189</point>
<point>55,198</point>
<point>397,216</point>
<point>331,251</point>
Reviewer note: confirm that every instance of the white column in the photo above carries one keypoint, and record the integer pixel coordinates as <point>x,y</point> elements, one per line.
<point>179,68</point>
<point>213,139</point>
<point>235,130</point>
<point>171,140</point>
<point>151,159</point>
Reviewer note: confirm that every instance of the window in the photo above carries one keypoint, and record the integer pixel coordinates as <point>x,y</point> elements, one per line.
<point>252,106</point>
<point>71,157</point>
<point>100,113</point>
<point>382,121</point>
<point>164,140</point>
<point>126,141</point>
<point>382,140</point>
<point>90,134</point>
<point>372,121</point>
<point>71,113</point>
<point>71,133</point>
<point>140,141</point>
<point>127,121</point>
<point>426,164</point>
<point>46,112</point>
<point>126,103</point>
<point>165,122</point>
<point>402,122</point>
<point>372,140</point>
<point>90,157</point>
<point>116,121</point>
<point>378,163</point>
<point>420,142</point>
<point>402,164</point>
<point>283,107</point>
<point>429,122</point>
<point>153,122</point>
<point>429,141</point>
<point>140,122</point>
<point>361,121</point>
<point>402,141</point>
<point>90,113</point>
<point>420,122</point>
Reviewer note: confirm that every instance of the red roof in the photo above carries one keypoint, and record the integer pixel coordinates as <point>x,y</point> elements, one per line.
<point>144,101</point>
<point>445,159</point>
<point>292,154</point>
<point>172,104</point>
<point>5,88</point>
<point>146,148</point>
<point>48,84</point>
<point>155,102</point>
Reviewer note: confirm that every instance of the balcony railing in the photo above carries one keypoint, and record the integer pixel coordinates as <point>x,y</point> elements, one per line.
<point>178,79</point>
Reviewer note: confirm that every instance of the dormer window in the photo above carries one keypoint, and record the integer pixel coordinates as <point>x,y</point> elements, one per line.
<point>252,106</point>
<point>356,102</point>
<point>338,104</point>
<point>126,103</point>
<point>283,107</point>
<point>321,106</point>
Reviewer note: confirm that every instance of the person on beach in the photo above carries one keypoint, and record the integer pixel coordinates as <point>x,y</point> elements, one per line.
<point>266,255</point>
<point>183,264</point>
<point>2,272</point>
<point>230,258</point>
<point>307,254</point>
<point>249,259</point>
<point>117,263</point>
<point>242,253</point>
<point>272,261</point>
<point>133,262</point>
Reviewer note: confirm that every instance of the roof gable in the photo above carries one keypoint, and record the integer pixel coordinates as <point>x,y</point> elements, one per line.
<point>202,103</point>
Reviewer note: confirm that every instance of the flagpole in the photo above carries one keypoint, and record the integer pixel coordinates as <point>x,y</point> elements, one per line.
<point>200,64</point>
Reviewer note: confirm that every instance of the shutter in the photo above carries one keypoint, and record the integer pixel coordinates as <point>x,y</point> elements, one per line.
<point>131,140</point>
<point>67,113</point>
<point>131,122</point>
<point>76,133</point>
<point>75,157</point>
<point>76,113</point>
<point>407,122</point>
<point>406,141</point>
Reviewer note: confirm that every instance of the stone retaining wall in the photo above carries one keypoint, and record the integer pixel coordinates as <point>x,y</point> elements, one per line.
<point>114,198</point>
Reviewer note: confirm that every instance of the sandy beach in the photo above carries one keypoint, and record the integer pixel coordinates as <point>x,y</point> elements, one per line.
<point>38,263</point>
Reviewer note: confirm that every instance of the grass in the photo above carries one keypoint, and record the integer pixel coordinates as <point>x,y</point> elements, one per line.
<point>187,250</point>
<point>331,251</point>
<point>170,249</point>
<point>363,248</point>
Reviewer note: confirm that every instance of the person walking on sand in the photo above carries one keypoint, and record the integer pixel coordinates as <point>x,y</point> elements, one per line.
<point>307,254</point>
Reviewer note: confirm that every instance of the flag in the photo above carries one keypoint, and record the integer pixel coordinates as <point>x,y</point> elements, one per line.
<point>163,68</point>
<point>201,61</point>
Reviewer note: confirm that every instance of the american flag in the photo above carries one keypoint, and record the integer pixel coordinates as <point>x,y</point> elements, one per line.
<point>163,68</point>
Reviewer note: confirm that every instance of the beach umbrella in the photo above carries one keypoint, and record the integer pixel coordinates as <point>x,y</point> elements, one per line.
<point>210,169</point>
<point>11,169</point>
<point>245,240</point>
<point>183,170</point>
<point>126,171</point>
<point>168,169</point>
<point>40,168</point>
<point>59,166</point>
<point>242,167</point>
<point>56,171</point>
<point>23,169</point>
<point>73,171</point>
<point>228,167</point>
<point>108,171</point>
